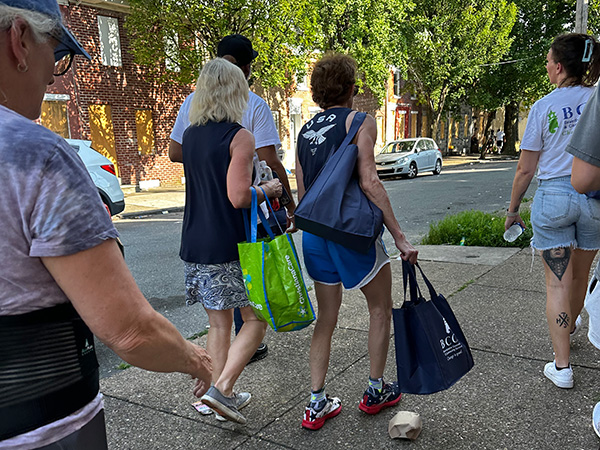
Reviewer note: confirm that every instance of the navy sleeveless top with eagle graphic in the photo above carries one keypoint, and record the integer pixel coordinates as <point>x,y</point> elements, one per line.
<point>318,137</point>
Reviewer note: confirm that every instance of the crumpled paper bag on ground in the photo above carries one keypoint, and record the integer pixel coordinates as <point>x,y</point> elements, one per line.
<point>405,425</point>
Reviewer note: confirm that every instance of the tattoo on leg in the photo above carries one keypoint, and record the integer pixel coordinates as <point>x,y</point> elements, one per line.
<point>563,320</point>
<point>558,260</point>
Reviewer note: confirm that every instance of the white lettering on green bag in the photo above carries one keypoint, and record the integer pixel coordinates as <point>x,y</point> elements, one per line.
<point>297,284</point>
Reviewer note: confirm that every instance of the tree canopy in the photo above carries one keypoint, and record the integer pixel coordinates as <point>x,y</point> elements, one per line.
<point>448,44</point>
<point>182,34</point>
<point>369,30</point>
<point>486,53</point>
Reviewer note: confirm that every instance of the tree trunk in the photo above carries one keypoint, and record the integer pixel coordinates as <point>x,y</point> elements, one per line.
<point>475,138</point>
<point>436,113</point>
<point>435,126</point>
<point>486,135</point>
<point>511,128</point>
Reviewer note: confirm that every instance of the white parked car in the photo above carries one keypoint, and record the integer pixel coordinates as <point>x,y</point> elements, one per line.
<point>103,174</point>
<point>408,157</point>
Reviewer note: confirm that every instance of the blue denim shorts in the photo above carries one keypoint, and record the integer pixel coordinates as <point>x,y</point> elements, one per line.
<point>330,263</point>
<point>562,217</point>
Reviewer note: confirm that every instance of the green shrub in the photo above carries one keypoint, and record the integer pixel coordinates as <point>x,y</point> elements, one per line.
<point>477,228</point>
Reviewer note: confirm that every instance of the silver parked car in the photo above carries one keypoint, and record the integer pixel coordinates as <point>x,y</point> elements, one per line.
<point>408,157</point>
<point>102,171</point>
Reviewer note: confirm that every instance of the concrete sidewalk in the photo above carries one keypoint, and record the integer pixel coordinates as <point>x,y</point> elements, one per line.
<point>504,402</point>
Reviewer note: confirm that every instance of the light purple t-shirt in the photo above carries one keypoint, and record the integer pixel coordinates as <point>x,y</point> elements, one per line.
<point>49,206</point>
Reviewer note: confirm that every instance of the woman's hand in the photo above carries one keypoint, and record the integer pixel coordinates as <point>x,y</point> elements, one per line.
<point>407,251</point>
<point>203,373</point>
<point>272,188</point>
<point>291,223</point>
<point>511,220</point>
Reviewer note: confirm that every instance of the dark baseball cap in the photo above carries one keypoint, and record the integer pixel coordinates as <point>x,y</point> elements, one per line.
<point>50,8</point>
<point>237,46</point>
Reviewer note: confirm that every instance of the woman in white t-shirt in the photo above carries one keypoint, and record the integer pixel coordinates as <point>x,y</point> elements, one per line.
<point>566,224</point>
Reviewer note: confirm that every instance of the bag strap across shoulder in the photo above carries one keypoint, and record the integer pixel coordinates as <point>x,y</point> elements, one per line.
<point>357,121</point>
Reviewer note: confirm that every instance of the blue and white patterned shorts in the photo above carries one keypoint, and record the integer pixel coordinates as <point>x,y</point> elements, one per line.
<point>215,286</point>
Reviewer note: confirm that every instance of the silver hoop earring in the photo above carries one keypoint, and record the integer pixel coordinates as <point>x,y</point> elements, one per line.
<point>22,68</point>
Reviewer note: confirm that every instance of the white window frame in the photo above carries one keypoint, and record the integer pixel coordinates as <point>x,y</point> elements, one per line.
<point>172,53</point>
<point>110,41</point>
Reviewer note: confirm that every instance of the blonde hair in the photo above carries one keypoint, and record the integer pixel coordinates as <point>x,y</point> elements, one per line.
<point>221,93</point>
<point>40,24</point>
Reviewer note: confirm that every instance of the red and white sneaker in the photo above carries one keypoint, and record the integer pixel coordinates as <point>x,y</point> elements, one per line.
<point>374,401</point>
<point>315,415</point>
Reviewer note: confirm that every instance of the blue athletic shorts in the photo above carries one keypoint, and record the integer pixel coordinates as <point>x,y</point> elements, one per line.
<point>330,263</point>
<point>562,217</point>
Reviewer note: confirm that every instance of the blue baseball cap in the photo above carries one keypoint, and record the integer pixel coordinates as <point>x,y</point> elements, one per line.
<point>50,8</point>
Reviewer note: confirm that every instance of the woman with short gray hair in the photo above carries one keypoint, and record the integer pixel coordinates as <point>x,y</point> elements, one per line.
<point>62,276</point>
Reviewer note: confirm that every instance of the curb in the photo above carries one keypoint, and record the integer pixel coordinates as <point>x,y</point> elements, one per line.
<point>149,212</point>
<point>477,161</point>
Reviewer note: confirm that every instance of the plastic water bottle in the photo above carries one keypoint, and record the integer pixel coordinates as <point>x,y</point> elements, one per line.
<point>515,230</point>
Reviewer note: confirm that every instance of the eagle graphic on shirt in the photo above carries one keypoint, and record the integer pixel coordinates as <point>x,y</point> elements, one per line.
<point>317,137</point>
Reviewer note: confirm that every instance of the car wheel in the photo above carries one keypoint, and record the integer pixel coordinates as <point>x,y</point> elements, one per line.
<point>438,167</point>
<point>412,170</point>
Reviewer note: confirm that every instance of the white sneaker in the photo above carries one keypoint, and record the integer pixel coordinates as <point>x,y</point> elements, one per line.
<point>241,400</point>
<point>562,378</point>
<point>596,419</point>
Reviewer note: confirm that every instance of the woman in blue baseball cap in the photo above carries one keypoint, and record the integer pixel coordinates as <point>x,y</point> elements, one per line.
<point>62,276</point>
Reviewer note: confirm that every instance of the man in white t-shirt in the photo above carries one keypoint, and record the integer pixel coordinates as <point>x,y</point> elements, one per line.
<point>257,119</point>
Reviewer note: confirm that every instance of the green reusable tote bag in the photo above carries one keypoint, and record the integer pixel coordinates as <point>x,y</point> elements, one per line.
<point>272,276</point>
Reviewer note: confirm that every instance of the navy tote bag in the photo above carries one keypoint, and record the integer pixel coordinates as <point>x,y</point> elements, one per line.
<point>432,352</point>
<point>334,206</point>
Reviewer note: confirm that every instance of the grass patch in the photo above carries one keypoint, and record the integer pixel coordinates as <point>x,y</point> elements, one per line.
<point>197,335</point>
<point>477,228</point>
<point>123,366</point>
<point>466,285</point>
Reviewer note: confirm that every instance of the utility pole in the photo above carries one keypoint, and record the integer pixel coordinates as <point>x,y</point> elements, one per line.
<point>581,16</point>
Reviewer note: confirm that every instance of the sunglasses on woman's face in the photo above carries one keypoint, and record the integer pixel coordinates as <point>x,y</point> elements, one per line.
<point>63,62</point>
<point>63,56</point>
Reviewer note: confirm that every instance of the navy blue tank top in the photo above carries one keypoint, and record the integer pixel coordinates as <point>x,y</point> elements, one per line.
<point>212,227</point>
<point>318,137</point>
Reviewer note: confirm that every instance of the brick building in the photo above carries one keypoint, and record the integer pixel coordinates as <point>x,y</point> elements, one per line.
<point>112,101</point>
